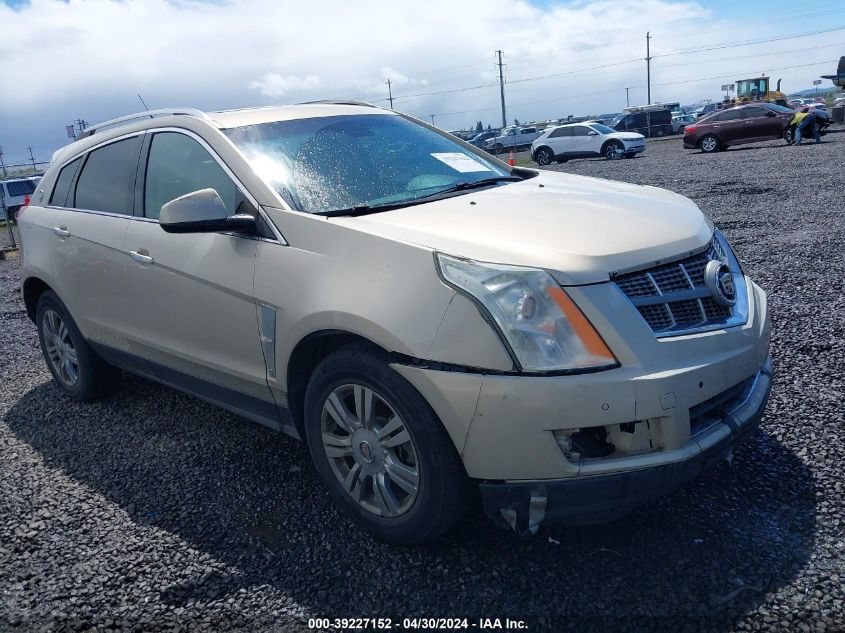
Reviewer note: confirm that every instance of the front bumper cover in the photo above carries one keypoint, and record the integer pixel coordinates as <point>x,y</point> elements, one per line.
<point>523,506</point>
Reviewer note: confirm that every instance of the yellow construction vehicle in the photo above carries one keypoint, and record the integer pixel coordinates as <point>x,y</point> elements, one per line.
<point>757,89</point>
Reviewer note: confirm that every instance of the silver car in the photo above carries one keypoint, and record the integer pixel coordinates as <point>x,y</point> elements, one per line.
<point>436,326</point>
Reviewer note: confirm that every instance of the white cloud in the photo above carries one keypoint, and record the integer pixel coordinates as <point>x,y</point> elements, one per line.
<point>276,85</point>
<point>90,58</point>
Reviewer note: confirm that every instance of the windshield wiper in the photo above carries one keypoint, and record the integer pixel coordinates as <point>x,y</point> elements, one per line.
<point>363,209</point>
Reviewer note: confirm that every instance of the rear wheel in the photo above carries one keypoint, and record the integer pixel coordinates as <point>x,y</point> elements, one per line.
<point>76,367</point>
<point>661,132</point>
<point>380,449</point>
<point>544,156</point>
<point>709,144</point>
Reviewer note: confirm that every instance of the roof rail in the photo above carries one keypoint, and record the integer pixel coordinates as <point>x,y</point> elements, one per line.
<point>351,102</point>
<point>93,129</point>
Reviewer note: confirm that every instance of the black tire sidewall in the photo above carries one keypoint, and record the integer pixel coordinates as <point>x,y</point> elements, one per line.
<point>49,301</point>
<point>420,522</point>
<point>547,153</point>
<point>711,151</point>
<point>95,376</point>
<point>611,145</point>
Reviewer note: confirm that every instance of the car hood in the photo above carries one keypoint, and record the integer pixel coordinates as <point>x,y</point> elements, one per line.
<point>581,229</point>
<point>627,136</point>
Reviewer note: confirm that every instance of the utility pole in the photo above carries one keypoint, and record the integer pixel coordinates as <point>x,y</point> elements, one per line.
<point>432,118</point>
<point>389,94</point>
<point>648,64</point>
<point>627,99</point>
<point>2,164</point>
<point>31,157</point>
<point>502,90</point>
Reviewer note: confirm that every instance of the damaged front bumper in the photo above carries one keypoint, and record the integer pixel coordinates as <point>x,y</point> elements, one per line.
<point>579,500</point>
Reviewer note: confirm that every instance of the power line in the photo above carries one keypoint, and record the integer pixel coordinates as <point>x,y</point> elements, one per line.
<point>613,90</point>
<point>749,43</point>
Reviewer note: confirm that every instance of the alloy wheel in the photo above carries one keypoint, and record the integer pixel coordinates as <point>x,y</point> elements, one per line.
<point>708,144</point>
<point>60,349</point>
<point>369,449</point>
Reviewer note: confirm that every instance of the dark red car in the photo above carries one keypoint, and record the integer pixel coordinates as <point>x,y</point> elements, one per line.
<point>743,124</point>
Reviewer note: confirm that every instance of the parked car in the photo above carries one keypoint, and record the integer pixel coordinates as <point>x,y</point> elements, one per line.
<point>512,138</point>
<point>680,121</point>
<point>657,122</point>
<point>704,110</point>
<point>738,125</point>
<point>436,325</point>
<point>584,140</point>
<point>13,193</point>
<point>797,104</point>
<point>479,139</point>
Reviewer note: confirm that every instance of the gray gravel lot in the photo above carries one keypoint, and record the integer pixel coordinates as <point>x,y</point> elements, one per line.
<point>152,510</point>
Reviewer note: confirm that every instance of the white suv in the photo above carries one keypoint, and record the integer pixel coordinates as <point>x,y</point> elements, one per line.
<point>585,140</point>
<point>435,325</point>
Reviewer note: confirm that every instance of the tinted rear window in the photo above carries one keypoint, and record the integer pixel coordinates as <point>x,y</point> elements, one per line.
<point>728,115</point>
<point>107,181</point>
<point>561,131</point>
<point>63,183</point>
<point>20,188</point>
<point>754,112</point>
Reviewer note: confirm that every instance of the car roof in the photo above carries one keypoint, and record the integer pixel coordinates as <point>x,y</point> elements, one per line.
<point>253,116</point>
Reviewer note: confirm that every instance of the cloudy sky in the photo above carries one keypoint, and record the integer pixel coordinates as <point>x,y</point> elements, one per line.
<point>63,59</point>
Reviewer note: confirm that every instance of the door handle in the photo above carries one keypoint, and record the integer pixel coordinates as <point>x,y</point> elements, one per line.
<point>141,258</point>
<point>61,231</point>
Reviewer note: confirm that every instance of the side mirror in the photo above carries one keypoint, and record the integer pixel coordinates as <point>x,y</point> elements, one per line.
<point>770,113</point>
<point>202,212</point>
<point>592,133</point>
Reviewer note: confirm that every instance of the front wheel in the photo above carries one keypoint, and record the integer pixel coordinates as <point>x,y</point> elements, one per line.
<point>789,136</point>
<point>380,450</point>
<point>709,144</point>
<point>544,156</point>
<point>611,149</point>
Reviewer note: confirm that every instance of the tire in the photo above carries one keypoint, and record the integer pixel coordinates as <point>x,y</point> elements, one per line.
<point>87,379</point>
<point>544,156</point>
<point>610,148</point>
<point>789,136</point>
<point>399,514</point>
<point>681,129</point>
<point>661,132</point>
<point>709,144</point>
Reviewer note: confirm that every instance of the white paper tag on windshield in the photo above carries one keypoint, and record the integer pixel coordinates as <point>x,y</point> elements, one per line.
<point>461,162</point>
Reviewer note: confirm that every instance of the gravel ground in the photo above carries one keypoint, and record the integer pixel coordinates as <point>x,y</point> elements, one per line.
<point>154,511</point>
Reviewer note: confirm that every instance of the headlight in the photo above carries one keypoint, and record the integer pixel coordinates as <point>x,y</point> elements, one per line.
<point>541,325</point>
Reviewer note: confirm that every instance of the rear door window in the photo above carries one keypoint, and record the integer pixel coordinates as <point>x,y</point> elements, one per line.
<point>561,131</point>
<point>63,183</point>
<point>754,112</point>
<point>728,115</point>
<point>178,165</point>
<point>107,181</point>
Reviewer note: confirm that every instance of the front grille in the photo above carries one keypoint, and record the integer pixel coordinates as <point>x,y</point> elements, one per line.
<point>673,297</point>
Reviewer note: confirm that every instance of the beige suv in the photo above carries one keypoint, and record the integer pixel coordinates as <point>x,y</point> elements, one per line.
<point>437,326</point>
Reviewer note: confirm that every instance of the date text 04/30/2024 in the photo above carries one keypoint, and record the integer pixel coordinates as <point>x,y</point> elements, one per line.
<point>413,624</point>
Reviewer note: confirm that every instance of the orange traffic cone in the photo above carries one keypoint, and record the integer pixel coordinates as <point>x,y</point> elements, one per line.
<point>512,158</point>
